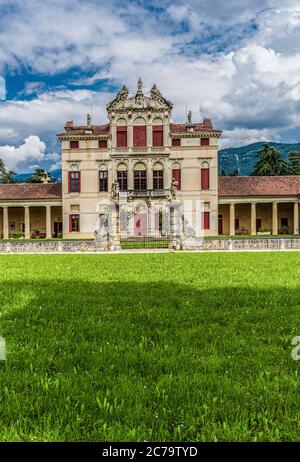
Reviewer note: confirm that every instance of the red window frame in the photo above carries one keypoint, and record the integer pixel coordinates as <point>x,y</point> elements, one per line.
<point>139,136</point>
<point>204,141</point>
<point>71,187</point>
<point>102,144</point>
<point>157,135</point>
<point>122,136</point>
<point>204,178</point>
<point>74,144</point>
<point>176,174</point>
<point>176,142</point>
<point>71,218</point>
<point>206,220</point>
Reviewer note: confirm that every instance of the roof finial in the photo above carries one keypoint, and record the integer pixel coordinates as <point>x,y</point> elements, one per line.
<point>88,120</point>
<point>139,87</point>
<point>189,117</point>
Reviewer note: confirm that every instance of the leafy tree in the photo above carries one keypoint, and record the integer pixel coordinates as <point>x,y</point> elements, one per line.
<point>6,176</point>
<point>38,176</point>
<point>223,173</point>
<point>270,163</point>
<point>294,163</point>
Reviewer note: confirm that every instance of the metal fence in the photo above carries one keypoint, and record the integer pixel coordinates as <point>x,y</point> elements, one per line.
<point>154,241</point>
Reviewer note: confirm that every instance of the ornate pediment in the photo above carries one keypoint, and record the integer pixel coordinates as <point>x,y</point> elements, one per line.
<point>154,102</point>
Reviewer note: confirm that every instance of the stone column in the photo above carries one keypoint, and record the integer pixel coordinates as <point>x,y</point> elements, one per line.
<point>149,136</point>
<point>48,222</point>
<point>167,175</point>
<point>253,218</point>
<point>149,175</point>
<point>130,134</point>
<point>274,218</point>
<point>296,217</point>
<point>5,222</point>
<point>130,184</point>
<point>166,127</point>
<point>27,221</point>
<point>232,219</point>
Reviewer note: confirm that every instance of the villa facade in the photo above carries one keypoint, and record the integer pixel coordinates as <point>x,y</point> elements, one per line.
<point>146,154</point>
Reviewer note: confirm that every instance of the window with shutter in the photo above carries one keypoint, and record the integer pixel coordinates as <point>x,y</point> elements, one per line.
<point>176,142</point>
<point>176,174</point>
<point>74,182</point>
<point>103,180</point>
<point>74,225</point>
<point>122,137</point>
<point>206,220</point>
<point>158,135</point>
<point>74,144</point>
<point>204,178</point>
<point>204,141</point>
<point>139,136</point>
<point>102,144</point>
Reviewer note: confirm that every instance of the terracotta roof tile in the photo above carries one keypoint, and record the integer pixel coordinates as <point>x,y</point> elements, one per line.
<point>206,126</point>
<point>259,186</point>
<point>80,129</point>
<point>37,191</point>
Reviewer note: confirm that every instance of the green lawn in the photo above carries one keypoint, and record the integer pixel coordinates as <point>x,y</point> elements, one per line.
<point>150,347</point>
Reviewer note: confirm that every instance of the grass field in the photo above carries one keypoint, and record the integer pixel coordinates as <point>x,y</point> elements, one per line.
<point>150,347</point>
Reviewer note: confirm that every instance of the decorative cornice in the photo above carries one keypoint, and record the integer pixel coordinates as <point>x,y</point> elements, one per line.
<point>214,134</point>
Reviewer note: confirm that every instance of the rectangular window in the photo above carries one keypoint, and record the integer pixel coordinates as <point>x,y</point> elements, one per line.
<point>204,141</point>
<point>140,180</point>
<point>74,144</point>
<point>122,137</point>
<point>204,178</point>
<point>122,180</point>
<point>158,179</point>
<point>176,142</point>
<point>102,144</point>
<point>284,222</point>
<point>103,180</point>
<point>74,223</point>
<point>74,182</point>
<point>206,220</point>
<point>176,174</point>
<point>158,135</point>
<point>139,136</point>
<point>237,223</point>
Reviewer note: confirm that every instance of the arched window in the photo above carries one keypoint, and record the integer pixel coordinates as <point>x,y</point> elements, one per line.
<point>157,132</point>
<point>121,133</point>
<point>103,178</point>
<point>74,183</point>
<point>140,177</point>
<point>158,176</point>
<point>122,176</point>
<point>205,175</point>
<point>139,133</point>
<point>176,174</point>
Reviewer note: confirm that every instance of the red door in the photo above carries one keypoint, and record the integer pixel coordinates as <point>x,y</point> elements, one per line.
<point>140,224</point>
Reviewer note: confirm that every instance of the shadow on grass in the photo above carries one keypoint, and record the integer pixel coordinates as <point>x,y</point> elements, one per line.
<point>134,361</point>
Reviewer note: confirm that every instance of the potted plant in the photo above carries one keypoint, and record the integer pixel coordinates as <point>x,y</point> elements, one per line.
<point>241,231</point>
<point>283,230</point>
<point>264,231</point>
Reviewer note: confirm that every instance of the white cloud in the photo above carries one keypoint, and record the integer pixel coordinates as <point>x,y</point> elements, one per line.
<point>33,149</point>
<point>252,92</point>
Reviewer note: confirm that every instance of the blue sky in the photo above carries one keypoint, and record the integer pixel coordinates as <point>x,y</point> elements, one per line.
<point>237,62</point>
